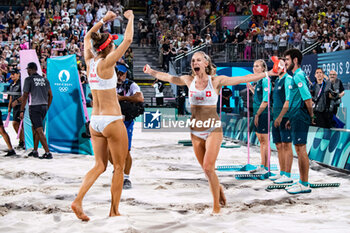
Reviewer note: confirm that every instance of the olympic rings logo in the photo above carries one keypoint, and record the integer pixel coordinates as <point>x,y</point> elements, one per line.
<point>307,69</point>
<point>63,89</point>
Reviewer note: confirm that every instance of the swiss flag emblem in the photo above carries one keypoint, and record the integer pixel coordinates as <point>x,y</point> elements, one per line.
<point>208,93</point>
<point>260,9</point>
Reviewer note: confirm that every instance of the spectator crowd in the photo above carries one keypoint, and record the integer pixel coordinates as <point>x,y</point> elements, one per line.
<point>53,28</point>
<point>180,25</point>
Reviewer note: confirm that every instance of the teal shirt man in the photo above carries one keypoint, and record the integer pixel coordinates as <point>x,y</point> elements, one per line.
<point>300,114</point>
<point>299,92</point>
<point>280,95</point>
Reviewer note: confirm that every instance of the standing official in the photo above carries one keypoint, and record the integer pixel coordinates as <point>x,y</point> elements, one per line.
<point>38,89</point>
<point>280,134</point>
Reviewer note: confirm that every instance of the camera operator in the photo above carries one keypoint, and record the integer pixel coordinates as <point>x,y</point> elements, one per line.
<point>181,100</point>
<point>336,92</point>
<point>131,102</point>
<point>319,91</point>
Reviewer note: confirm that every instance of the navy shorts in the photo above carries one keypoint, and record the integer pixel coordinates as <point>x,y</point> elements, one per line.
<point>262,124</point>
<point>1,123</point>
<point>16,111</point>
<point>281,133</point>
<point>129,128</point>
<point>37,115</point>
<point>299,131</point>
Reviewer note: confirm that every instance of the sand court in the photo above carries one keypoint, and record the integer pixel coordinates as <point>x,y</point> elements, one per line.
<point>170,194</point>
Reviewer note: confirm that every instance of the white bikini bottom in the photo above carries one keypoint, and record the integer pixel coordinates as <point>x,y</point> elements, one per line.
<point>100,122</point>
<point>203,134</point>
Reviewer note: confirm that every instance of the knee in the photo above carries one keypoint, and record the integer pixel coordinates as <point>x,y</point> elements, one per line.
<point>208,168</point>
<point>118,169</point>
<point>100,168</point>
<point>263,142</point>
<point>39,131</point>
<point>287,146</point>
<point>299,150</point>
<point>279,146</point>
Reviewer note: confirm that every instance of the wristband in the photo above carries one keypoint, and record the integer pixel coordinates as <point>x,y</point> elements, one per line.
<point>101,21</point>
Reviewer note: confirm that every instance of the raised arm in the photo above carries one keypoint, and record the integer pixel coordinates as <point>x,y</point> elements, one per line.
<point>181,81</point>
<point>87,43</point>
<point>231,81</point>
<point>114,56</point>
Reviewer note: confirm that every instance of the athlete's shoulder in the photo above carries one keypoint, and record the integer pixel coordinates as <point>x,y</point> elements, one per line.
<point>299,73</point>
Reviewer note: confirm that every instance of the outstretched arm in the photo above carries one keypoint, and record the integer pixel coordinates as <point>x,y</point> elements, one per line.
<point>165,76</point>
<point>231,81</point>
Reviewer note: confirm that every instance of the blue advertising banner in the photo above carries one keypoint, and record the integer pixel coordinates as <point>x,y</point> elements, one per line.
<point>338,61</point>
<point>66,116</point>
<point>309,65</point>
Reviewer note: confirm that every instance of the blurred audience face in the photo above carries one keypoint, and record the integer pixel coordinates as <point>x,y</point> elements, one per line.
<point>319,75</point>
<point>333,76</point>
<point>258,67</point>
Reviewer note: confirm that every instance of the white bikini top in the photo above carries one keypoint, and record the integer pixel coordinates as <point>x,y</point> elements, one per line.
<point>207,96</point>
<point>97,83</point>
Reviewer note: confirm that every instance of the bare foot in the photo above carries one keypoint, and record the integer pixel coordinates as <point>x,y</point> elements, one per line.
<point>216,210</point>
<point>114,214</point>
<point>222,199</point>
<point>78,210</point>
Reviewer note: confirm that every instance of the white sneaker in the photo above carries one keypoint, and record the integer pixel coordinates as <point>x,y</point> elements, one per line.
<point>276,177</point>
<point>259,170</point>
<point>299,188</point>
<point>283,180</point>
<point>295,183</point>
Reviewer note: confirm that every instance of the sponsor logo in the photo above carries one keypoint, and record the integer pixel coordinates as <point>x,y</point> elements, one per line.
<point>152,120</point>
<point>63,89</point>
<point>64,76</point>
<point>63,85</point>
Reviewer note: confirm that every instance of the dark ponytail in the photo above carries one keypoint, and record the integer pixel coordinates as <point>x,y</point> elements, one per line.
<point>98,39</point>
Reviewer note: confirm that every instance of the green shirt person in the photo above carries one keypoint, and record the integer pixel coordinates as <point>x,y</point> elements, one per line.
<point>300,115</point>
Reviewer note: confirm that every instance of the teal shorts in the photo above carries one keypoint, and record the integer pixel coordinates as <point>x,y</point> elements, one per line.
<point>281,133</point>
<point>262,124</point>
<point>299,131</point>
